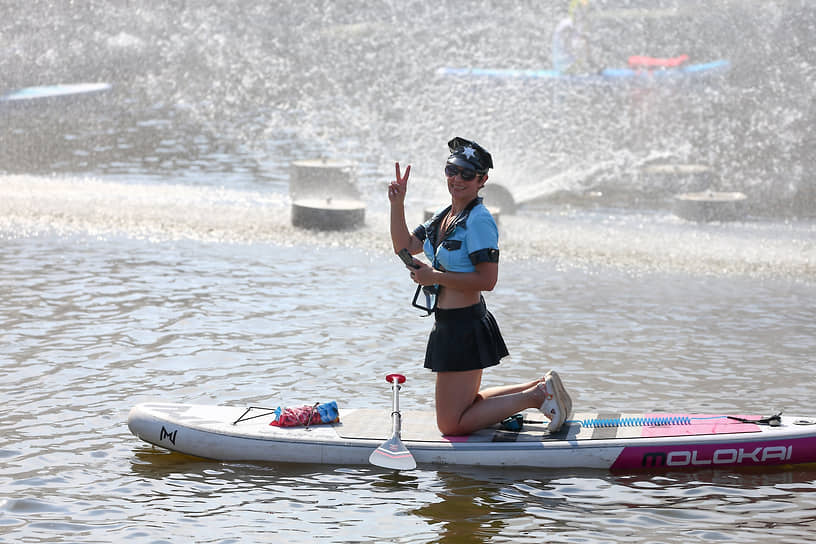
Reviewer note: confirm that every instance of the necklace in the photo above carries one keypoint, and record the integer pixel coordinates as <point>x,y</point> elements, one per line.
<point>449,220</point>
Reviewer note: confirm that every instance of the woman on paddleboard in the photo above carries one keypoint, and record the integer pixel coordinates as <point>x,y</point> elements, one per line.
<point>461,242</point>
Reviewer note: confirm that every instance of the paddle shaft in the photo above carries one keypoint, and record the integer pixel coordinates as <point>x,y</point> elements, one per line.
<point>395,413</point>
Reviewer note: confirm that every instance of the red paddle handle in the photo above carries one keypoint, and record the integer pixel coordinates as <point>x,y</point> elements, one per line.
<point>391,377</point>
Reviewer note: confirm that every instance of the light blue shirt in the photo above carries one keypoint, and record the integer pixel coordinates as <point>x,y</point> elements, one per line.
<point>473,238</point>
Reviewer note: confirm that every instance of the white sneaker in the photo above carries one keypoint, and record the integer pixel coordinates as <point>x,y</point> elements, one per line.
<point>558,405</point>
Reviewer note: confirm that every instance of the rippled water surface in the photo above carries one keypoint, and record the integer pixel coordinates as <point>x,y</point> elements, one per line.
<point>92,326</point>
<point>147,253</point>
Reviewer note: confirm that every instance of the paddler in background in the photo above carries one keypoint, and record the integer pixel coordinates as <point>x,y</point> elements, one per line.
<point>570,45</point>
<point>461,242</point>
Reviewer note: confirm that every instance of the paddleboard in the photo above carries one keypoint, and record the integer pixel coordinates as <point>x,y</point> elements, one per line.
<point>617,442</point>
<point>607,75</point>
<point>51,91</point>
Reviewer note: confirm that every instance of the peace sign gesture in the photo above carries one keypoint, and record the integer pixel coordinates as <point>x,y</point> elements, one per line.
<point>398,187</point>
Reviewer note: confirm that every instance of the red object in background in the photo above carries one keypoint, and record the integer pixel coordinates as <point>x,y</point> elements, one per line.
<point>651,63</point>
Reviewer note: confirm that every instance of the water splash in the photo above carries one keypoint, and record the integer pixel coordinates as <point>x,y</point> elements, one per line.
<point>251,90</point>
<point>636,243</point>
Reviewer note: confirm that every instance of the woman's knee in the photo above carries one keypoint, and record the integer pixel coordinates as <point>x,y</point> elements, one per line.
<point>456,393</point>
<point>449,425</point>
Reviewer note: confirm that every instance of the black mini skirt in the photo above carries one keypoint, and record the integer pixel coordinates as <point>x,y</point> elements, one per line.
<point>464,339</point>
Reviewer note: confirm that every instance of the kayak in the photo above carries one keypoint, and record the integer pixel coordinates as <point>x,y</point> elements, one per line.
<point>610,441</point>
<point>607,75</point>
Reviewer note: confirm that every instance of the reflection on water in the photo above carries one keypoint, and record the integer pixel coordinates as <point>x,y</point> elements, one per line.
<point>481,505</point>
<point>476,509</point>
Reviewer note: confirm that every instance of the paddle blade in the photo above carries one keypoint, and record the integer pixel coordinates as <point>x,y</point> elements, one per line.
<point>394,455</point>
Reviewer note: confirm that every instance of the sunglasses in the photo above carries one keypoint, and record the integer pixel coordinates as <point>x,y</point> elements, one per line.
<point>467,174</point>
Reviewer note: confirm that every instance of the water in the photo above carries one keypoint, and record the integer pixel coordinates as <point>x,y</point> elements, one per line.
<point>147,253</point>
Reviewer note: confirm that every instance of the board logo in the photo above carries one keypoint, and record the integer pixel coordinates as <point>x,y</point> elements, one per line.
<point>724,456</point>
<point>170,436</point>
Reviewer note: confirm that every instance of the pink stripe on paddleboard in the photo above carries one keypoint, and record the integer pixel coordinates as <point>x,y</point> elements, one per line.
<point>699,424</point>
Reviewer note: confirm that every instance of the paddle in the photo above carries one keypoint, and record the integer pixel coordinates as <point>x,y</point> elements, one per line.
<point>392,453</point>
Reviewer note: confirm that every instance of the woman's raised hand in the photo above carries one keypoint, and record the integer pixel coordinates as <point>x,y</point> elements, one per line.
<point>398,187</point>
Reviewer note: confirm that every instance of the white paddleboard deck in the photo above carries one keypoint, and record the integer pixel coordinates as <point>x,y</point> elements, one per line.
<point>627,442</point>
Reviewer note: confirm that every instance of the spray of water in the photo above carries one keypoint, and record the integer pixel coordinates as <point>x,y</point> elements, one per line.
<point>207,94</point>
<point>270,83</point>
